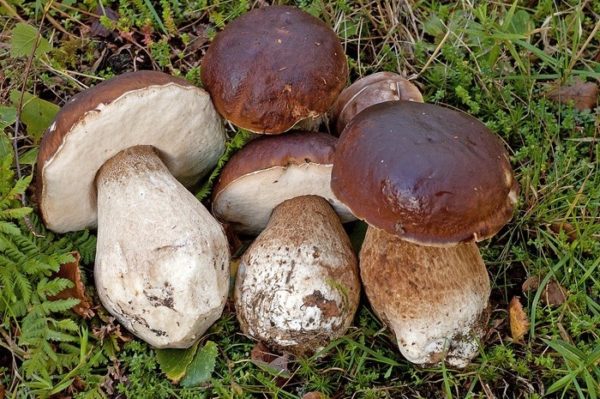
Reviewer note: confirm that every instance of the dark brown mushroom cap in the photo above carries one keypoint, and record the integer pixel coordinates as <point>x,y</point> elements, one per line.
<point>270,170</point>
<point>273,67</point>
<point>370,90</point>
<point>136,108</point>
<point>428,174</point>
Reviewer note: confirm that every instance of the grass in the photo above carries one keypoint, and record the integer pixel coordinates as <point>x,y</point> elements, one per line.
<point>494,60</point>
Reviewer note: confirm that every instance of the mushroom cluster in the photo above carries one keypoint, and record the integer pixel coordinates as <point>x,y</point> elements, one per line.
<point>429,181</point>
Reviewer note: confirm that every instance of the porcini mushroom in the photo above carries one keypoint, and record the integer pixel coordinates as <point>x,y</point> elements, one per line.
<point>297,286</point>
<point>116,157</point>
<point>274,67</point>
<point>430,182</point>
<point>370,90</point>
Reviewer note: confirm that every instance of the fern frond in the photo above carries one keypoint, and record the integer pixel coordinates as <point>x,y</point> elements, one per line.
<point>9,228</point>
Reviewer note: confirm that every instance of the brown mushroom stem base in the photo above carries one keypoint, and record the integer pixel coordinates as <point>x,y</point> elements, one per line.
<point>434,299</point>
<point>162,263</point>
<point>297,286</point>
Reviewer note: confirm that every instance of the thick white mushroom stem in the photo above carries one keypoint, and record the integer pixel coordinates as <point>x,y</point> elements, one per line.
<point>297,286</point>
<point>162,262</point>
<point>434,299</point>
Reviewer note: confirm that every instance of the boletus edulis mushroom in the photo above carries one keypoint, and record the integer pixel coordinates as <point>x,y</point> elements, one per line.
<point>297,285</point>
<point>274,67</point>
<point>117,156</point>
<point>370,90</point>
<point>430,182</point>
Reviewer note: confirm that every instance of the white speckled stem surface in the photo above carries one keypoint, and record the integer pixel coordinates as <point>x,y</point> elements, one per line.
<point>297,286</point>
<point>162,263</point>
<point>434,299</point>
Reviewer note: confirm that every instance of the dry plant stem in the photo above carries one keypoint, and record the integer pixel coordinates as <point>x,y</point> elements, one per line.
<point>434,299</point>
<point>297,286</point>
<point>162,264</point>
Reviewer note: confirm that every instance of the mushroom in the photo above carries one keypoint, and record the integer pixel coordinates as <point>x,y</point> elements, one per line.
<point>297,286</point>
<point>432,182</point>
<point>370,90</point>
<point>274,67</point>
<point>117,156</point>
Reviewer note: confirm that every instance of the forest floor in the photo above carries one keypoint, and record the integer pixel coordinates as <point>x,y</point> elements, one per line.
<point>530,70</point>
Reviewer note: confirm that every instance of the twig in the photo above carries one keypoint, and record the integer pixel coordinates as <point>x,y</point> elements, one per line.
<point>11,11</point>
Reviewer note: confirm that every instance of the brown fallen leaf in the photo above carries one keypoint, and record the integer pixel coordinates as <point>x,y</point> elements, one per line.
<point>532,283</point>
<point>2,391</point>
<point>557,227</point>
<point>96,28</point>
<point>519,323</point>
<point>71,272</point>
<point>261,355</point>
<point>554,294</point>
<point>583,94</point>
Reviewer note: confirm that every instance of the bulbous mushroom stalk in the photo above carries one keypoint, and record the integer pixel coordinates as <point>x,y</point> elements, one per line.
<point>297,286</point>
<point>434,299</point>
<point>167,287</point>
<point>117,157</point>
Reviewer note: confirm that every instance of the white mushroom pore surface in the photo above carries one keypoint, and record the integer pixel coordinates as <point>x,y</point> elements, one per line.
<point>247,202</point>
<point>297,286</point>
<point>434,299</point>
<point>162,263</point>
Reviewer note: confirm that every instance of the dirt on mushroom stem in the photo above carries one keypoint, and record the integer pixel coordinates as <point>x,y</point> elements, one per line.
<point>297,287</point>
<point>162,263</point>
<point>434,299</point>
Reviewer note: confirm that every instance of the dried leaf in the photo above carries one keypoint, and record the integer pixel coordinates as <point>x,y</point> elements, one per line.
<point>261,356</point>
<point>568,228</point>
<point>584,95</point>
<point>519,323</point>
<point>554,294</point>
<point>71,272</point>
<point>532,283</point>
<point>97,29</point>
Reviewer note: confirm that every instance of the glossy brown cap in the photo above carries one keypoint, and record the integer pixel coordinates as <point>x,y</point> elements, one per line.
<point>370,90</point>
<point>273,67</point>
<point>136,108</point>
<point>270,170</point>
<point>428,174</point>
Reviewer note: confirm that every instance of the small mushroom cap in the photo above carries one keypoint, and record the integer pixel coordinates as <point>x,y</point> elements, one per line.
<point>270,170</point>
<point>137,108</point>
<point>427,174</point>
<point>273,67</point>
<point>370,90</point>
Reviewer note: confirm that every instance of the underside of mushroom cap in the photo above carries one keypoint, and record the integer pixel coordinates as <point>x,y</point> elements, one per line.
<point>270,170</point>
<point>138,108</point>
<point>273,67</point>
<point>427,174</point>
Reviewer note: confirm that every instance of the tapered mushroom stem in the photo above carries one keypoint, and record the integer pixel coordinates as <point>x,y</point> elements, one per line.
<point>162,263</point>
<point>297,287</point>
<point>434,299</point>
